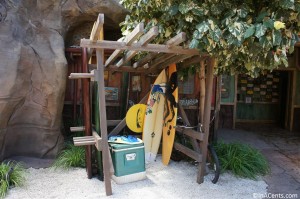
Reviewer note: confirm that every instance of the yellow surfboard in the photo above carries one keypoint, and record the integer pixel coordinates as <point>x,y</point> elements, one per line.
<point>152,132</point>
<point>170,114</point>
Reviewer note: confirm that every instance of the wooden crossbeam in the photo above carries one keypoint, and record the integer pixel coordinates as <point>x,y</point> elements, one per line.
<point>174,41</point>
<point>89,140</point>
<point>187,122</point>
<point>189,152</point>
<point>190,132</point>
<point>172,60</point>
<point>83,138</point>
<point>97,28</point>
<point>160,59</point>
<point>193,60</point>
<point>176,59</point>
<point>136,47</point>
<point>129,39</point>
<point>178,39</point>
<point>126,69</point>
<point>146,59</point>
<point>81,75</point>
<point>145,39</point>
<point>77,129</point>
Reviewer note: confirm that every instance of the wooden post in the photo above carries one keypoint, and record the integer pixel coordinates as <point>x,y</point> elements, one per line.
<point>87,112</point>
<point>202,91</point>
<point>235,101</point>
<point>292,109</point>
<point>206,118</point>
<point>97,128</point>
<point>75,92</point>
<point>99,74</point>
<point>124,93</point>
<point>217,107</point>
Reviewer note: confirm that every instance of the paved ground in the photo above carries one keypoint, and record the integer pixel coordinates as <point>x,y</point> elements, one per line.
<point>281,148</point>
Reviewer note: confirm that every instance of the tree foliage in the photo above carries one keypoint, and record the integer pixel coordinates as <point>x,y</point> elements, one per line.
<point>244,35</point>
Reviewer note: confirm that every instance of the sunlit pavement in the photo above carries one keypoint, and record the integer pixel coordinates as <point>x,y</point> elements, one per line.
<point>280,147</point>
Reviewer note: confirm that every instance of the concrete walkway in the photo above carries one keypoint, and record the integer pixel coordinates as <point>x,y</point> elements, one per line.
<point>280,147</point>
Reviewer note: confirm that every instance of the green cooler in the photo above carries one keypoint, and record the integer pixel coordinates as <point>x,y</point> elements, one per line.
<point>128,161</point>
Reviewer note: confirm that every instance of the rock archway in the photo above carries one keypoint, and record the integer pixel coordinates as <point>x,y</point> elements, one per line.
<point>33,70</point>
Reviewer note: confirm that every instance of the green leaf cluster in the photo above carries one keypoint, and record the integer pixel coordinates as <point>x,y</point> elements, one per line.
<point>239,34</point>
<point>242,160</point>
<point>72,156</point>
<point>11,174</point>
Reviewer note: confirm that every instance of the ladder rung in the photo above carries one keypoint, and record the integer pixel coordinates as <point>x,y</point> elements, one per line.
<point>84,143</point>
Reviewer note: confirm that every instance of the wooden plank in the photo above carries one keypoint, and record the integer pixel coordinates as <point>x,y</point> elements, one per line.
<point>172,60</point>
<point>98,141</point>
<point>217,107</point>
<point>144,60</point>
<point>81,75</point>
<point>85,143</point>
<point>160,59</point>
<point>115,68</point>
<point>189,152</point>
<point>122,124</point>
<point>126,69</point>
<point>202,91</point>
<point>206,120</point>
<point>86,112</point>
<point>75,94</point>
<point>77,128</point>
<point>178,39</point>
<point>113,122</point>
<point>129,39</point>
<point>187,122</point>
<point>227,103</point>
<point>193,60</point>
<point>149,47</point>
<point>145,39</point>
<point>103,121</point>
<point>97,130</point>
<point>97,28</point>
<point>235,101</point>
<point>83,138</point>
<point>292,110</point>
<point>191,133</point>
<point>183,115</point>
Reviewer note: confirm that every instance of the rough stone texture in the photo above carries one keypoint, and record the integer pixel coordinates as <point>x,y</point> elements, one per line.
<point>33,70</point>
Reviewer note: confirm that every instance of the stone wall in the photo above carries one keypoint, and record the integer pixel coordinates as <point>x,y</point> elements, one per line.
<point>33,70</point>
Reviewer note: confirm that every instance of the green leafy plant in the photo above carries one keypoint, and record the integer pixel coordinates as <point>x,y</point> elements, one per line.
<point>71,156</point>
<point>243,36</point>
<point>11,174</point>
<point>242,160</point>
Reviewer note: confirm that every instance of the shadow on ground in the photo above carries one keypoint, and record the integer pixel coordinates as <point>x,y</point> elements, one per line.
<point>280,147</point>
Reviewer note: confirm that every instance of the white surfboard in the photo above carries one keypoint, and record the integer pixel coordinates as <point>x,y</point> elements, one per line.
<point>153,122</point>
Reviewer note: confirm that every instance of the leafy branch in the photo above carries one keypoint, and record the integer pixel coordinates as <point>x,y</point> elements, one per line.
<point>248,36</point>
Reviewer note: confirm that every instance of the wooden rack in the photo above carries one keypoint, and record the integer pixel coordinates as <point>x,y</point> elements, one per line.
<point>159,57</point>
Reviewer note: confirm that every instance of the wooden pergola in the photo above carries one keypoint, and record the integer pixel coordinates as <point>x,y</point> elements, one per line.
<point>159,57</point>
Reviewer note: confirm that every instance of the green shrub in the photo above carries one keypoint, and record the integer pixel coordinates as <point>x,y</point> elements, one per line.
<point>242,160</point>
<point>11,174</point>
<point>72,156</point>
